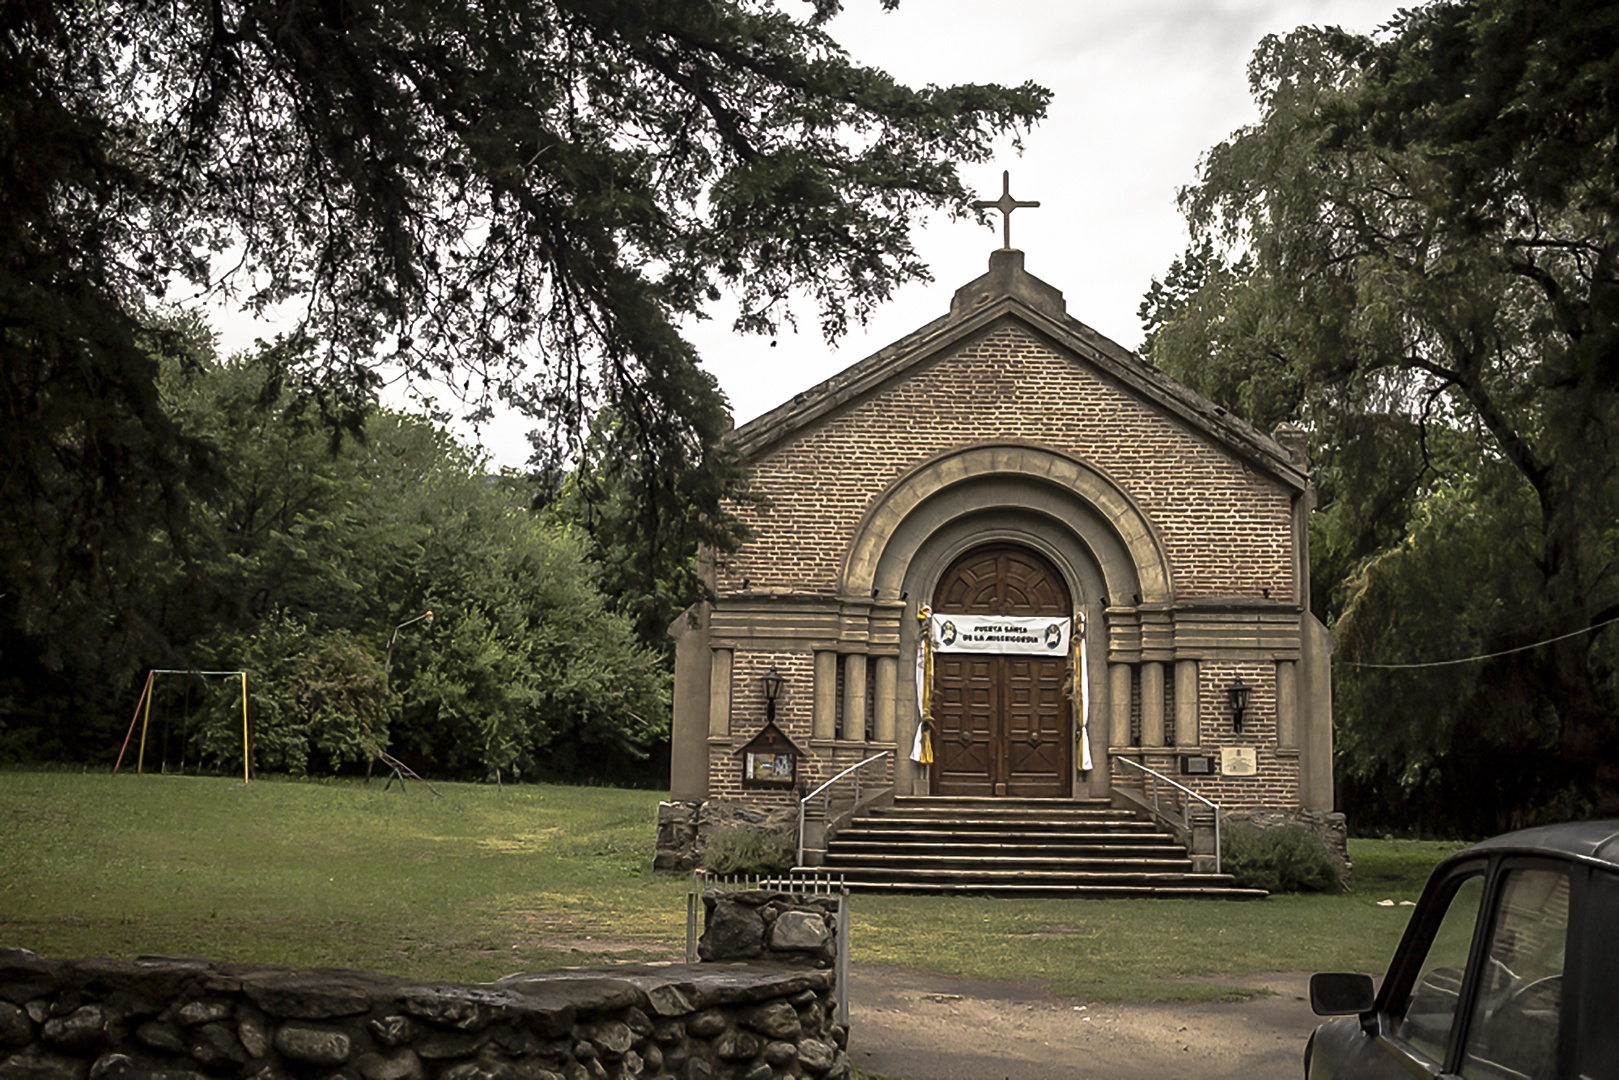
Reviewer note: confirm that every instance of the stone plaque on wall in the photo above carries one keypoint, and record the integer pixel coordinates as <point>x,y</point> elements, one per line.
<point>1239,761</point>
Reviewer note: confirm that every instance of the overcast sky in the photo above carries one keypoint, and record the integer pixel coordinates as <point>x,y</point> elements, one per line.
<point>1141,89</point>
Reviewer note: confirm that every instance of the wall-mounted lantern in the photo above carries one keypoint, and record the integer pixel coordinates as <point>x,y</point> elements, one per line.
<point>773,680</point>
<point>1239,703</point>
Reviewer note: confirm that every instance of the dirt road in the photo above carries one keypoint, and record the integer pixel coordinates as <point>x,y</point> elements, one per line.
<point>926,1027</point>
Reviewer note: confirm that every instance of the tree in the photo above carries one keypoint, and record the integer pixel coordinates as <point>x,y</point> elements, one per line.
<point>1423,246</point>
<point>521,199</point>
<point>316,556</point>
<point>647,526</point>
<point>296,560</point>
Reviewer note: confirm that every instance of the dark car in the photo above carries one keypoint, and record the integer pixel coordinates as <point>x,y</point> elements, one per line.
<point>1509,970</point>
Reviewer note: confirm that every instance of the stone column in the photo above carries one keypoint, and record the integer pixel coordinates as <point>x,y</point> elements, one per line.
<point>824,721</point>
<point>1152,704</point>
<point>854,697</point>
<point>887,675</point>
<point>1186,704</point>
<point>1118,702</point>
<point>719,694</point>
<point>688,744</point>
<point>1287,703</point>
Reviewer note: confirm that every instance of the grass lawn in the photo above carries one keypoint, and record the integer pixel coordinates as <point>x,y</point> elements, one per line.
<point>488,881</point>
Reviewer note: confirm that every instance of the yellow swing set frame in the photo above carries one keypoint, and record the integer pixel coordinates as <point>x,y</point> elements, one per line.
<point>143,716</point>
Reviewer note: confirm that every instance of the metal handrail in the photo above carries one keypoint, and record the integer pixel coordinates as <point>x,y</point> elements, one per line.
<point>826,799</point>
<point>1186,806</point>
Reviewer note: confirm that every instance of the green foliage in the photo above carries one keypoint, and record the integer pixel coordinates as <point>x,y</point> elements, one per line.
<point>1412,255</point>
<point>318,700</point>
<point>520,203</point>
<point>1285,859</point>
<point>742,850</point>
<point>301,561</point>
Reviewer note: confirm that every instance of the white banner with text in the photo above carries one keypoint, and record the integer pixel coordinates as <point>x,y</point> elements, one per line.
<point>1039,634</point>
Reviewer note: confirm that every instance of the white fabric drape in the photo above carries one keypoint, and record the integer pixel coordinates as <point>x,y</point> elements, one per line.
<point>1083,675</point>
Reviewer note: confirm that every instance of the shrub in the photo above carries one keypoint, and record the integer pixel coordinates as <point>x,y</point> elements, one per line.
<point>751,851</point>
<point>1289,858</point>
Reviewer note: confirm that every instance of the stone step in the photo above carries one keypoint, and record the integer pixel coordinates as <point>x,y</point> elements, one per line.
<point>1005,813</point>
<point>991,864</point>
<point>1057,890</point>
<point>1032,875</point>
<point>1008,876</point>
<point>1016,847</point>
<point>907,829</point>
<point>1009,805</point>
<point>926,849</point>
<point>1031,806</point>
<point>873,833</point>
<point>999,800</point>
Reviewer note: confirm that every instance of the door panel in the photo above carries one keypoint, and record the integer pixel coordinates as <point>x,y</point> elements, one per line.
<point>1036,727</point>
<point>1003,721</point>
<point>964,711</point>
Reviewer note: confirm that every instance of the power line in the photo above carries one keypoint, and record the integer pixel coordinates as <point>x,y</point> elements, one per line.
<point>1484,656</point>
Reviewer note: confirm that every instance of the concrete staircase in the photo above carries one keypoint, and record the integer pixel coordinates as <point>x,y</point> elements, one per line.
<point>1016,847</point>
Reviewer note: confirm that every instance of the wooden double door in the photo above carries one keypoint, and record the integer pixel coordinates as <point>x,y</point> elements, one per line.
<point>1003,723</point>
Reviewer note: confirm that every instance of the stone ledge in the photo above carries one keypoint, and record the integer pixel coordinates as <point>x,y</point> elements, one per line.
<point>184,1018</point>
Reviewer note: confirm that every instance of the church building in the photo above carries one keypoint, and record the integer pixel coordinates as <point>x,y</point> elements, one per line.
<point>1011,530</point>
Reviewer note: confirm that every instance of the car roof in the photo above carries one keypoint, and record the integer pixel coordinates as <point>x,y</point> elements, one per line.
<point>1587,841</point>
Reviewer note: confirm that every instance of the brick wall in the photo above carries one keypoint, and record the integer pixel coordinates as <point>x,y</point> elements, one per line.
<point>1225,528</point>
<point>1277,781</point>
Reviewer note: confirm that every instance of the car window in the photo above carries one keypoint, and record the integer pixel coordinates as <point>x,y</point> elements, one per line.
<point>1517,1008</point>
<point>1431,1010</point>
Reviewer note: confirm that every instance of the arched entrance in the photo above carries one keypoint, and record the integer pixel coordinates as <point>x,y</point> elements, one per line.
<point>1003,721</point>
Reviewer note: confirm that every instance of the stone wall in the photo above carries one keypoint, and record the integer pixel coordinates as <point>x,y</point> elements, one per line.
<point>772,926</point>
<point>687,829</point>
<point>170,1018</point>
<point>1332,828</point>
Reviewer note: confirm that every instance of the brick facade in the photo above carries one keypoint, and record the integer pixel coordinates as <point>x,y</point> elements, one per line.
<point>1178,529</point>
<point>1010,384</point>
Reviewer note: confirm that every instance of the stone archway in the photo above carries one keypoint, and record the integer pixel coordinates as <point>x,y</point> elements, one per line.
<point>997,479</point>
<point>1002,721</point>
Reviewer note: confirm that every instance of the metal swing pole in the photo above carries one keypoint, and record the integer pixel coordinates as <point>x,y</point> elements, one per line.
<point>146,722</point>
<point>145,690</point>
<point>246,750</point>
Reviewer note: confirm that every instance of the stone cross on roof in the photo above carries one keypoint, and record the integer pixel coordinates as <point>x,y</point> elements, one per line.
<point>1005,204</point>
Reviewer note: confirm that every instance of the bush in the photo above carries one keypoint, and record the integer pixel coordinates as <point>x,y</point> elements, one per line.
<point>1289,858</point>
<point>751,851</point>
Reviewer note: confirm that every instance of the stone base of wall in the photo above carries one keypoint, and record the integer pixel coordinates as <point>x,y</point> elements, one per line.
<point>188,1019</point>
<point>1331,827</point>
<point>685,829</point>
<point>782,928</point>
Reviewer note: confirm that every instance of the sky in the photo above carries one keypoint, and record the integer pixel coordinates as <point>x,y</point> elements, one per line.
<point>1142,88</point>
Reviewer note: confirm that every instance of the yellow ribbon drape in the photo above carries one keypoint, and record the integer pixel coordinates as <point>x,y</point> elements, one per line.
<point>922,746</point>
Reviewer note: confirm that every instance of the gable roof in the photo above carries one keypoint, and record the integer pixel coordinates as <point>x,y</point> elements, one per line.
<point>1009,293</point>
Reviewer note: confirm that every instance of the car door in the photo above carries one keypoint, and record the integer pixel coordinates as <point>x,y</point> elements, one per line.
<point>1409,1031</point>
<point>1476,988</point>
<point>1515,1007</point>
